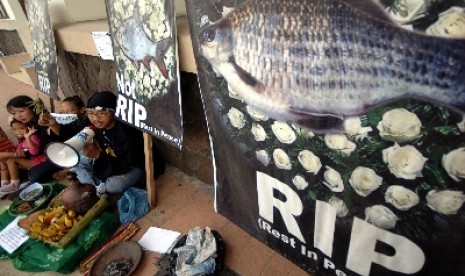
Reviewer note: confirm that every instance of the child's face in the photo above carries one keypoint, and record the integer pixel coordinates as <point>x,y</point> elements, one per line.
<point>22,114</point>
<point>19,129</point>
<point>71,108</point>
<point>101,119</point>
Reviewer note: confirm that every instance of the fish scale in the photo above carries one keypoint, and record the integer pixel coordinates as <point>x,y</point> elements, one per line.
<point>320,57</point>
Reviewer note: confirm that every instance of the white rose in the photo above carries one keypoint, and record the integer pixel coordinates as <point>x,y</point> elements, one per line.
<point>339,142</point>
<point>454,164</point>
<point>281,159</point>
<point>402,198</point>
<point>263,157</point>
<point>283,132</point>
<point>353,127</point>
<point>404,162</point>
<point>364,181</point>
<point>341,207</point>
<point>299,182</point>
<point>309,161</point>
<point>461,125</point>
<point>233,94</point>
<point>333,180</point>
<point>236,118</point>
<point>258,132</point>
<point>381,216</point>
<point>226,10</point>
<point>304,132</point>
<point>147,81</point>
<point>257,116</point>
<point>399,125</point>
<point>445,202</point>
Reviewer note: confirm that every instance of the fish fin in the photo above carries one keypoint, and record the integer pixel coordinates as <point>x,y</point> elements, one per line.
<point>247,77</point>
<point>161,65</point>
<point>319,123</point>
<point>163,46</point>
<point>146,62</point>
<point>372,8</point>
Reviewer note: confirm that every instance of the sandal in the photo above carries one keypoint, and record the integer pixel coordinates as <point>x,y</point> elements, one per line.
<point>9,188</point>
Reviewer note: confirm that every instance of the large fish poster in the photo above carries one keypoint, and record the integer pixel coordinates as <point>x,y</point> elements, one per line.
<point>145,49</point>
<point>338,130</point>
<point>43,47</point>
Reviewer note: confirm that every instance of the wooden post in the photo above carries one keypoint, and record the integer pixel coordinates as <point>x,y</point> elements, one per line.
<point>150,179</point>
<point>52,105</point>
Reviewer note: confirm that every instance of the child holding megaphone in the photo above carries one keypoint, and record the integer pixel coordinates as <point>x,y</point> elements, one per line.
<point>116,148</point>
<point>71,106</point>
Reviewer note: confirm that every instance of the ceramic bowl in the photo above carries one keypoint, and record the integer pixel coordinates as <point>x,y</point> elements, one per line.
<point>32,192</point>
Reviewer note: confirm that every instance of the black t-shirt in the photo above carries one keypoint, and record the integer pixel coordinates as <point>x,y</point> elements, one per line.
<point>122,147</point>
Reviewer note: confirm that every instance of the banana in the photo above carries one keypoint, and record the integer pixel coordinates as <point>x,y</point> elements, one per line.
<point>68,221</point>
<point>60,225</point>
<point>71,214</point>
<point>48,232</point>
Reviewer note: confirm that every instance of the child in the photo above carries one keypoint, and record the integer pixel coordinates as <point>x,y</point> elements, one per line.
<point>117,149</point>
<point>74,105</point>
<point>26,156</point>
<point>20,108</point>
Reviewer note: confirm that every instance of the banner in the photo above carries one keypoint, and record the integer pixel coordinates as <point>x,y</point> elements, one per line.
<point>145,48</point>
<point>337,131</point>
<point>43,47</point>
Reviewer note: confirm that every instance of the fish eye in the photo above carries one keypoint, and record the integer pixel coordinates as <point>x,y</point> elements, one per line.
<point>208,35</point>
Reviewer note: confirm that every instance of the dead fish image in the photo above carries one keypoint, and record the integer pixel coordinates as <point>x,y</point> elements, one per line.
<point>316,62</point>
<point>138,47</point>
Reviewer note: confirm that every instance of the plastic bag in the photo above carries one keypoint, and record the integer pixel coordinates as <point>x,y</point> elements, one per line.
<point>133,205</point>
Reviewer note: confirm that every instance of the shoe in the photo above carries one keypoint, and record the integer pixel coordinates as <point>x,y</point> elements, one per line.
<point>101,189</point>
<point>9,188</point>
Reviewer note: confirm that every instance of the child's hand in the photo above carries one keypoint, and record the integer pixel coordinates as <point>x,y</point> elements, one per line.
<point>91,150</point>
<point>45,119</point>
<point>30,131</point>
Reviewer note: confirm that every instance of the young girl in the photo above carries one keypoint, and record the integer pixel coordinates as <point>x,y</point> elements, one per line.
<point>26,156</point>
<point>21,109</point>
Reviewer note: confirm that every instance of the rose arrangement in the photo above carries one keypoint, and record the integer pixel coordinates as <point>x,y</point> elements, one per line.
<point>395,166</point>
<point>149,83</point>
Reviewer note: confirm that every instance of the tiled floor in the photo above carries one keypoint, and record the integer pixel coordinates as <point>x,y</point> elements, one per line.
<point>183,202</point>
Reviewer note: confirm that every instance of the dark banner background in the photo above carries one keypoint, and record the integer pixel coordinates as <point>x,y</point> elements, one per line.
<point>145,49</point>
<point>440,236</point>
<point>44,49</point>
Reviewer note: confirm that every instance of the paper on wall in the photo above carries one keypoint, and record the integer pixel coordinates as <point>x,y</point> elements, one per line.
<point>103,43</point>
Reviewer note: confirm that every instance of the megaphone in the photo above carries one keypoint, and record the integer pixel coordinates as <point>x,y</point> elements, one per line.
<point>66,154</point>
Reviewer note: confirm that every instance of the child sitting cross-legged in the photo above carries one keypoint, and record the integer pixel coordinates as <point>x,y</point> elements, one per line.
<point>117,148</point>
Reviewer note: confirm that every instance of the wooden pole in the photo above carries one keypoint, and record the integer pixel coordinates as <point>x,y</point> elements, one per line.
<point>150,179</point>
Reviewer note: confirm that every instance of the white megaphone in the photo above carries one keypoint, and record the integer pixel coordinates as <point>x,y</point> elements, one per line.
<point>66,154</point>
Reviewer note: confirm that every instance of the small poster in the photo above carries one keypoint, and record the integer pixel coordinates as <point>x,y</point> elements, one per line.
<point>145,48</point>
<point>337,129</point>
<point>102,42</point>
<point>43,46</point>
